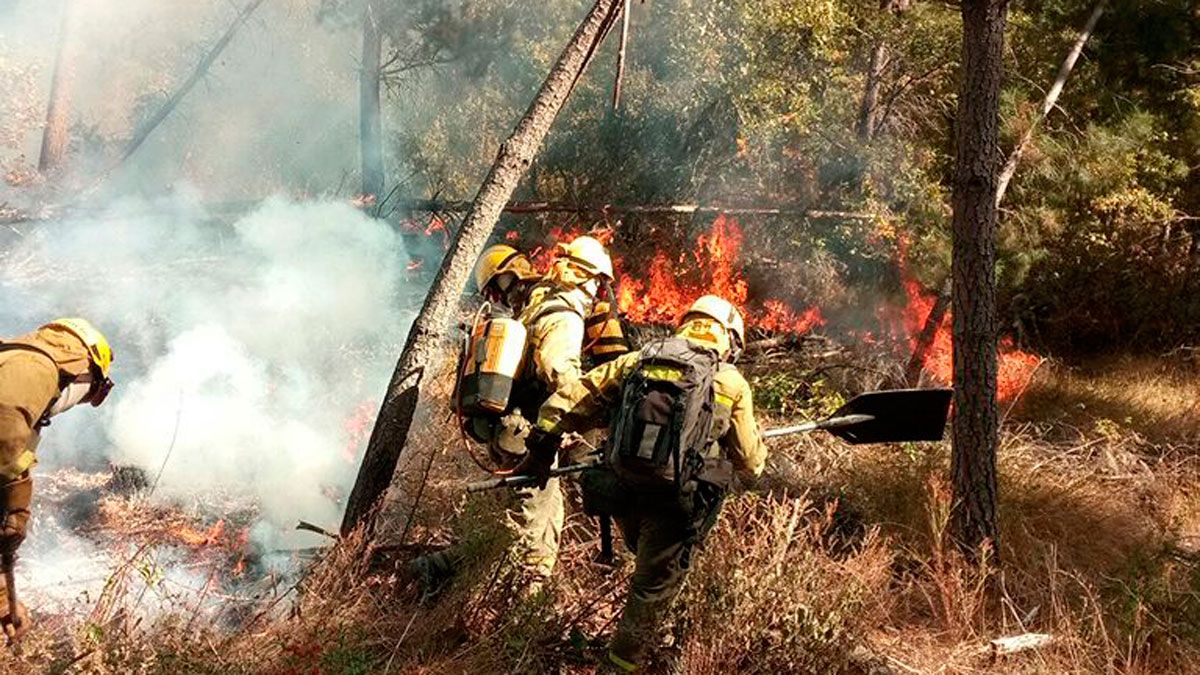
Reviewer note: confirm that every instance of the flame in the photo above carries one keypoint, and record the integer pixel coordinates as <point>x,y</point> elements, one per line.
<point>358,428</point>
<point>1015,367</point>
<point>663,293</point>
<point>512,235</point>
<point>193,537</point>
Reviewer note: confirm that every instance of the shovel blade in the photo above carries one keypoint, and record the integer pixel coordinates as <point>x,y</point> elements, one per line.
<point>896,416</point>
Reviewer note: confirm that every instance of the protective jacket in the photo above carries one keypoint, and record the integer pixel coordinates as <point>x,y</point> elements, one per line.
<point>554,320</point>
<point>33,369</point>
<point>660,531</point>
<point>585,404</point>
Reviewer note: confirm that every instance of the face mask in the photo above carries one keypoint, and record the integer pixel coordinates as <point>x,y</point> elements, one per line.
<point>71,395</point>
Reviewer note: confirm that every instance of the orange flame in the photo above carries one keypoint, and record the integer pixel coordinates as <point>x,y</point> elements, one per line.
<point>662,294</point>
<point>194,537</point>
<point>358,428</point>
<point>1015,367</point>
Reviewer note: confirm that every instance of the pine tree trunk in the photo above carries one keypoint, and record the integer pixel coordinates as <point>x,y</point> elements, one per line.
<point>976,418</point>
<point>370,126</point>
<point>868,111</point>
<point>56,134</point>
<point>428,331</point>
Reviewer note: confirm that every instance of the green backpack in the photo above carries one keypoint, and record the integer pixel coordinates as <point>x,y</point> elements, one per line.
<point>663,427</point>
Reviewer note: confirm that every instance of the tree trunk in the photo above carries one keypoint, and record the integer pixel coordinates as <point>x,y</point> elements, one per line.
<point>424,338</point>
<point>201,70</point>
<point>976,418</point>
<point>370,124</point>
<point>937,314</point>
<point>56,135</point>
<point>1010,166</point>
<point>868,111</point>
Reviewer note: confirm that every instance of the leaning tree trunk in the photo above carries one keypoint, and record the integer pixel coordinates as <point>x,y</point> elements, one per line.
<point>370,124</point>
<point>200,71</point>
<point>400,402</point>
<point>869,108</point>
<point>1010,166</point>
<point>976,418</point>
<point>55,135</point>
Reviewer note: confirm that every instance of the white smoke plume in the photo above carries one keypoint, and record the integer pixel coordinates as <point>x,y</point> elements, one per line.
<point>242,350</point>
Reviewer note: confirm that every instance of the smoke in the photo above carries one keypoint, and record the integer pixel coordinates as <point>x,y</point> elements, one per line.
<point>277,111</point>
<point>241,349</point>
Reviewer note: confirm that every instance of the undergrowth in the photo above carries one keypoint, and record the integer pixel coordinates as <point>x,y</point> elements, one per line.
<point>841,564</point>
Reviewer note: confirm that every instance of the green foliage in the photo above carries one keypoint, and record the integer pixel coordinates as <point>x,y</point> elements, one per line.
<point>791,394</point>
<point>747,102</point>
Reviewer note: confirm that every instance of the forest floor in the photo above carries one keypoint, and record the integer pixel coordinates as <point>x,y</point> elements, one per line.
<point>837,560</point>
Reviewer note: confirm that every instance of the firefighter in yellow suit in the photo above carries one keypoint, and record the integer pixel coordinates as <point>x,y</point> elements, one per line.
<point>555,318</point>
<point>552,309</point>
<point>42,374</point>
<point>659,535</point>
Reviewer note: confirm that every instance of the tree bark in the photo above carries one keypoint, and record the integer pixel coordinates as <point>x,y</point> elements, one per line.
<point>976,418</point>
<point>370,125</point>
<point>868,111</point>
<point>56,134</point>
<point>426,335</point>
<point>1010,166</point>
<point>201,70</point>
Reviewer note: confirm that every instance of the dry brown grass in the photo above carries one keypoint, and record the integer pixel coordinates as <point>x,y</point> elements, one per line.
<point>840,563</point>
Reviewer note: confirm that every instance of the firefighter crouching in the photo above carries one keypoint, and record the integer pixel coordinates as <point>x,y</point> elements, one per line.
<point>684,420</point>
<point>42,374</point>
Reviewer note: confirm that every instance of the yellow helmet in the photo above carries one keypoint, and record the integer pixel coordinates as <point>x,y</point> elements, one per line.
<point>724,313</point>
<point>97,345</point>
<point>500,259</point>
<point>588,254</point>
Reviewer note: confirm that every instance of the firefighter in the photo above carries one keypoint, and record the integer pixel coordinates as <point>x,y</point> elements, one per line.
<point>552,310</point>
<point>555,319</point>
<point>661,527</point>
<point>42,374</point>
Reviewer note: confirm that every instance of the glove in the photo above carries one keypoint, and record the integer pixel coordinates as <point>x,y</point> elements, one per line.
<point>15,497</point>
<point>543,450</point>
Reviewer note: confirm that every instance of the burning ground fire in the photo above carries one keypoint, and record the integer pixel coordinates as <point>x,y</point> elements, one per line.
<point>670,283</point>
<point>97,540</point>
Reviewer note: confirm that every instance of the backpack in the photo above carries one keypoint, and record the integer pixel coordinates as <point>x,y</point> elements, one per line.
<point>663,427</point>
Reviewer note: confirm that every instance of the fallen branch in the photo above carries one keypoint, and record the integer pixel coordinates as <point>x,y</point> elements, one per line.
<point>201,69</point>
<point>653,209</point>
<point>1017,643</point>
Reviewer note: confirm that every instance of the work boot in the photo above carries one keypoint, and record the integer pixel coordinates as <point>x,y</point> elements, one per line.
<point>13,630</point>
<point>433,574</point>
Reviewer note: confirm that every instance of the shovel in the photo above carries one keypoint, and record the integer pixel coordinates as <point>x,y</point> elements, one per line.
<point>892,416</point>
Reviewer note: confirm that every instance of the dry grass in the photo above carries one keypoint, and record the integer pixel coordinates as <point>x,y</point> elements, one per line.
<point>838,562</point>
